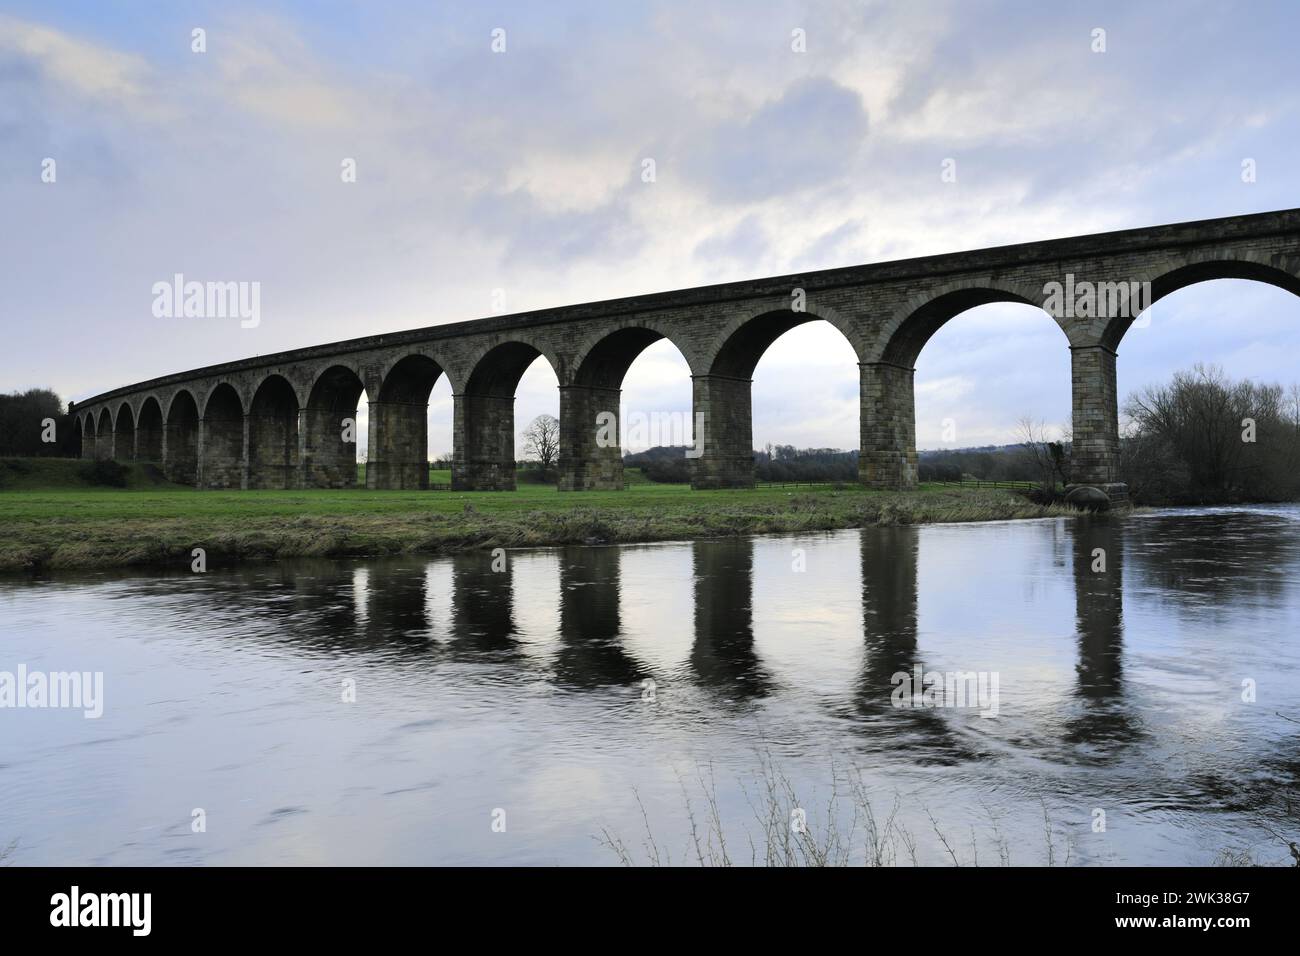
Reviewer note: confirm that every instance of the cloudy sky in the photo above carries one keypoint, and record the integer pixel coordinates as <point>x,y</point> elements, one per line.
<point>521,171</point>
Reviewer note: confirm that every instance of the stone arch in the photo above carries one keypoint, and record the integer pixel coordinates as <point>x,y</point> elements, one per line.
<point>149,430</point>
<point>329,424</point>
<point>913,324</point>
<point>590,453</point>
<point>596,344</point>
<point>398,438</point>
<point>418,356</point>
<point>86,422</point>
<point>181,441</point>
<point>273,435</point>
<point>887,455</point>
<point>484,443</point>
<point>104,446</point>
<point>221,449</point>
<point>124,432</point>
<point>1279,270</point>
<point>497,369</point>
<point>723,397</point>
<point>743,341</point>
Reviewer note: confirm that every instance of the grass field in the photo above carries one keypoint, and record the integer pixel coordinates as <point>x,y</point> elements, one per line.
<point>51,520</point>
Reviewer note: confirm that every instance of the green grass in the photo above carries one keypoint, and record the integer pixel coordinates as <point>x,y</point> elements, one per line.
<point>70,526</point>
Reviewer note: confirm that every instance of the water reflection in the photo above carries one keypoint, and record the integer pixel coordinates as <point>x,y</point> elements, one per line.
<point>591,652</point>
<point>1098,569</point>
<point>723,657</point>
<point>483,607</point>
<point>1122,645</point>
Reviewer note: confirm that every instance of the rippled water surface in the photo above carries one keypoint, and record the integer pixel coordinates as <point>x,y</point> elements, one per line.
<point>525,690</point>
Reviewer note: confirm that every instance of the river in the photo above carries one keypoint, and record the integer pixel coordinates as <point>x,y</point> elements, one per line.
<point>1134,691</point>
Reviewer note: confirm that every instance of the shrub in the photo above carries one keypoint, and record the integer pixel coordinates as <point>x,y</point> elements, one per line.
<point>105,472</point>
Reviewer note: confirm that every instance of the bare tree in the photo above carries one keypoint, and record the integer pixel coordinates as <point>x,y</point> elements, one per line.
<point>1047,458</point>
<point>542,441</point>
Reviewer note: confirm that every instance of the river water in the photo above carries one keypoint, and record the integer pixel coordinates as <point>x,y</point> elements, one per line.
<point>1136,687</point>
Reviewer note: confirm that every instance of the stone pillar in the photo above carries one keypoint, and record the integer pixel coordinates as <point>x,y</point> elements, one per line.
<point>88,445</point>
<point>104,445</point>
<point>591,454</point>
<point>485,443</point>
<point>1095,446</point>
<point>223,448</point>
<point>397,453</point>
<point>887,457</point>
<point>180,452</point>
<point>328,459</point>
<point>271,441</point>
<point>724,432</point>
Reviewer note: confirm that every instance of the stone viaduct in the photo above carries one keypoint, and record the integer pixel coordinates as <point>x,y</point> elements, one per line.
<point>276,421</point>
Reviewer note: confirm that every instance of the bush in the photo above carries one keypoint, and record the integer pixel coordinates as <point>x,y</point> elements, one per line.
<point>105,472</point>
<point>672,471</point>
<point>939,471</point>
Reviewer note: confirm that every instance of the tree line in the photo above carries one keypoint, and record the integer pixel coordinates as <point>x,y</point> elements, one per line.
<point>23,428</point>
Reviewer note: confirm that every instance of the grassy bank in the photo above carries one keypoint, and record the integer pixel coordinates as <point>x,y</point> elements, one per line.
<point>68,526</point>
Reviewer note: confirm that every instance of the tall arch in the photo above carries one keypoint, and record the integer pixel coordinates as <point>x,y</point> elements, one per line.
<point>273,435</point>
<point>887,458</point>
<point>181,439</point>
<point>221,443</point>
<point>104,444</point>
<point>591,455</point>
<point>124,432</point>
<point>330,429</point>
<point>1192,273</point>
<point>723,397</point>
<point>397,453</point>
<point>485,419</point>
<point>149,431</point>
<point>1096,390</point>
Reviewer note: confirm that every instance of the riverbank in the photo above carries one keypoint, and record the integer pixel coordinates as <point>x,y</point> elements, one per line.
<point>113,528</point>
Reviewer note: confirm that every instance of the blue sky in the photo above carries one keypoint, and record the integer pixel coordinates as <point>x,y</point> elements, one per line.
<point>521,171</point>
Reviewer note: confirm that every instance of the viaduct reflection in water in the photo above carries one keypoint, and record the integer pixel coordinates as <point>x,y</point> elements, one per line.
<point>723,657</point>
<point>1098,568</point>
<point>470,608</point>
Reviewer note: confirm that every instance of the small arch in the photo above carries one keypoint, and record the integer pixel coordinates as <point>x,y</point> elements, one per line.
<point>409,380</point>
<point>273,435</point>
<point>124,432</point>
<point>104,435</point>
<point>331,428</point>
<point>1205,270</point>
<point>181,427</point>
<point>398,423</point>
<point>484,447</point>
<point>221,463</point>
<point>86,421</point>
<point>149,430</point>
